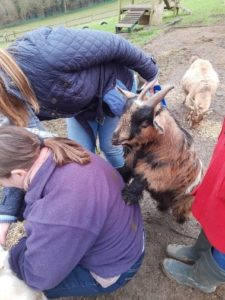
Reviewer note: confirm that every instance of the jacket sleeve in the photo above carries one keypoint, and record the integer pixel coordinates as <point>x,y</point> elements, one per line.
<point>11,203</point>
<point>77,50</point>
<point>46,256</point>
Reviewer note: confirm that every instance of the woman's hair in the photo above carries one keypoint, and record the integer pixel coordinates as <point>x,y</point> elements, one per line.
<point>10,106</point>
<point>19,148</point>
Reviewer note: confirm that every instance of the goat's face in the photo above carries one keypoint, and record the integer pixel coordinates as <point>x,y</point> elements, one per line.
<point>194,118</point>
<point>142,119</point>
<point>199,108</point>
<point>133,123</point>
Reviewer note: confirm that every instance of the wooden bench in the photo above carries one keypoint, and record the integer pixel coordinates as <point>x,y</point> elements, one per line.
<point>131,18</point>
<point>142,14</point>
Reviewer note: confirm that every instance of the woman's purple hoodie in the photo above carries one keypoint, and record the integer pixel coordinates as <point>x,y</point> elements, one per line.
<point>75,215</point>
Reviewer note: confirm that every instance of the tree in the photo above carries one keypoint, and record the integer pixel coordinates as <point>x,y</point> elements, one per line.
<point>65,6</point>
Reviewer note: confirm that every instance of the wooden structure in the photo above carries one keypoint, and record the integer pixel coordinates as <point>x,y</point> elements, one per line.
<point>148,13</point>
<point>142,14</point>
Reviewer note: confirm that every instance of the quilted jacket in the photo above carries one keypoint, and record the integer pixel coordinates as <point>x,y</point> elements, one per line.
<point>71,69</point>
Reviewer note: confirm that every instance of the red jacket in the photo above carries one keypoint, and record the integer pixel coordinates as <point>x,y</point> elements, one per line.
<point>209,204</point>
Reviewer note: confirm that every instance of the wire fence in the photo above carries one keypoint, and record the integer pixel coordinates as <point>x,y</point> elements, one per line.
<point>6,37</point>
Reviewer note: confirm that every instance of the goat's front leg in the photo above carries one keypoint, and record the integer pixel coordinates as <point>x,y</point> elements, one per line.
<point>182,207</point>
<point>133,192</point>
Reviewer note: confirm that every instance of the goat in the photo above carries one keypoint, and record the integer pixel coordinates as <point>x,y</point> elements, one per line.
<point>161,156</point>
<point>11,287</point>
<point>199,83</point>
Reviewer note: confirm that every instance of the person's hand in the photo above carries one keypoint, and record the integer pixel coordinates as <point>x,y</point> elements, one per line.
<point>3,232</point>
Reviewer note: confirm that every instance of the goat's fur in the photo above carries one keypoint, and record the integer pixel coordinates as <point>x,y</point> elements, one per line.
<point>11,287</point>
<point>161,155</point>
<point>199,84</point>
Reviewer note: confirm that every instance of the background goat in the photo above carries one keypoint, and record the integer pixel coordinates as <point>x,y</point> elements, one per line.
<point>161,156</point>
<point>199,83</point>
<point>11,287</point>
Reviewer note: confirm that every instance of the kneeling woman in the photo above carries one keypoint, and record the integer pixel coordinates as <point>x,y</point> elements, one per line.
<point>81,237</point>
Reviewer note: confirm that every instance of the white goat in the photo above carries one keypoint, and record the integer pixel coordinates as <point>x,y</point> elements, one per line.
<point>11,287</point>
<point>199,83</point>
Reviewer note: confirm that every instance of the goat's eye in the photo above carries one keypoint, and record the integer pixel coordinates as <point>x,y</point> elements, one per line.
<point>144,124</point>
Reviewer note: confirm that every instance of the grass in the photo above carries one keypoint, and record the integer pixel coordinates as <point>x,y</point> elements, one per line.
<point>203,12</point>
<point>63,19</point>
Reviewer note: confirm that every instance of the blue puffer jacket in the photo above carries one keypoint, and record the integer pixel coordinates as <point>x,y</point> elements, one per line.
<point>71,69</point>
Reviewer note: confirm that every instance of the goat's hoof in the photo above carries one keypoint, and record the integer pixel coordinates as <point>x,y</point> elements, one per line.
<point>181,219</point>
<point>128,197</point>
<point>180,215</point>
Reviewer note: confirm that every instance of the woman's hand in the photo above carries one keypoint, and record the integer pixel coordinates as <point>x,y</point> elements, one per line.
<point>3,232</point>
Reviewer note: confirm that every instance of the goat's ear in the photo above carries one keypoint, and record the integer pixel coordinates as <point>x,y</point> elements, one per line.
<point>193,58</point>
<point>158,124</point>
<point>125,93</point>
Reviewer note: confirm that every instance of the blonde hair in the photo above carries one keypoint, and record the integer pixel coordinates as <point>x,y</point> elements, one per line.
<point>10,106</point>
<point>19,148</point>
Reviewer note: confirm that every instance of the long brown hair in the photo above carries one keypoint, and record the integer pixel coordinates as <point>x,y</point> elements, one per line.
<point>10,106</point>
<point>19,148</point>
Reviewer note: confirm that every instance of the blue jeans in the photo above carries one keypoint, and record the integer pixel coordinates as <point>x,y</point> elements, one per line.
<point>81,283</point>
<point>114,154</point>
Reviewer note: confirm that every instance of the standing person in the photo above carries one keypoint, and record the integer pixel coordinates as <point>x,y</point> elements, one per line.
<point>57,72</point>
<point>207,255</point>
<point>82,239</point>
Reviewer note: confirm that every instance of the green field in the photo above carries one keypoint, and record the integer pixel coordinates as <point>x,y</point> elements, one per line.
<point>203,12</point>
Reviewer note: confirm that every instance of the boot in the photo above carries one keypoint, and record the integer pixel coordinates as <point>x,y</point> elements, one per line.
<point>204,275</point>
<point>125,173</point>
<point>189,254</point>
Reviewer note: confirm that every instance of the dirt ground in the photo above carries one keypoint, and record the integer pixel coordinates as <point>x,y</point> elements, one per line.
<point>173,50</point>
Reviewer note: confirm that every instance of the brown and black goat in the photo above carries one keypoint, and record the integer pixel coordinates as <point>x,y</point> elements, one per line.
<point>161,155</point>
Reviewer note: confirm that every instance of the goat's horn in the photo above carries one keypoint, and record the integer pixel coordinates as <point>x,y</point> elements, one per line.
<point>147,88</point>
<point>157,97</point>
<point>126,94</point>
